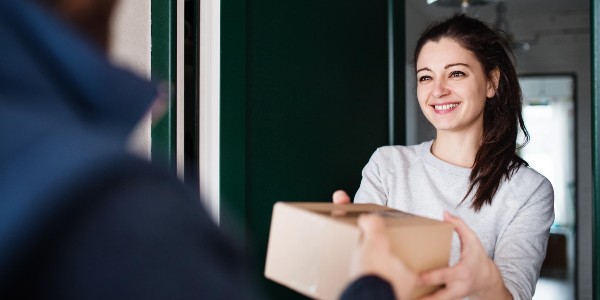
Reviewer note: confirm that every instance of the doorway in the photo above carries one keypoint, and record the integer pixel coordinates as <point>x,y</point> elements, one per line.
<point>549,114</point>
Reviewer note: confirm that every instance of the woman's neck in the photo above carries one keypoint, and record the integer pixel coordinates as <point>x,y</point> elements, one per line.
<point>455,148</point>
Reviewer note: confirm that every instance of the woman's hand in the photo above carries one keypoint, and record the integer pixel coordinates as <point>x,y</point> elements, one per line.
<point>341,197</point>
<point>475,276</point>
<point>374,257</point>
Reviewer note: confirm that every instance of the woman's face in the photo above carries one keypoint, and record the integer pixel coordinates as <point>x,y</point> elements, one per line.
<point>452,87</point>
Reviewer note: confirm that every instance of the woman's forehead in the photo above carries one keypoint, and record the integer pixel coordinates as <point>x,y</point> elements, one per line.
<point>444,52</point>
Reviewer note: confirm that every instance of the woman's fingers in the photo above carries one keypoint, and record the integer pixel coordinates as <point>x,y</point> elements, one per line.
<point>466,235</point>
<point>474,274</point>
<point>449,278</point>
<point>436,277</point>
<point>340,197</point>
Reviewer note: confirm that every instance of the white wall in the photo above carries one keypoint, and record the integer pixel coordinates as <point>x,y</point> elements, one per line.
<point>130,47</point>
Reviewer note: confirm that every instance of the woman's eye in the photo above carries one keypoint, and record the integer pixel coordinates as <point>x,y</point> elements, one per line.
<point>424,78</point>
<point>457,74</point>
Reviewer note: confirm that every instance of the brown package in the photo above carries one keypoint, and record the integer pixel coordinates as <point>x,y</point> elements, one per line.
<point>311,245</point>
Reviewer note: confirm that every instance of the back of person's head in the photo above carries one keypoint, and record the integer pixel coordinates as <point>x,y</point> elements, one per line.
<point>496,158</point>
<point>90,17</point>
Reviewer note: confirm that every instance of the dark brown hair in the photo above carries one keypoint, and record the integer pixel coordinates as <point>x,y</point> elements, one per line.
<point>496,158</point>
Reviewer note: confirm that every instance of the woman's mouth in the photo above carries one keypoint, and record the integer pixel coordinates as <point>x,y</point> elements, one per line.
<point>445,107</point>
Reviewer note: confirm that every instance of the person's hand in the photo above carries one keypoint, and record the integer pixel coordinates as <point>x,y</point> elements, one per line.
<point>475,276</point>
<point>374,257</point>
<point>340,197</point>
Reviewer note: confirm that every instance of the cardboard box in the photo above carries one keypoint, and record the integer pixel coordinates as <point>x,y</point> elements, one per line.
<point>311,245</point>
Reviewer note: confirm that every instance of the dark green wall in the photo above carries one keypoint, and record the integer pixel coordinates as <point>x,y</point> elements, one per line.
<point>304,103</point>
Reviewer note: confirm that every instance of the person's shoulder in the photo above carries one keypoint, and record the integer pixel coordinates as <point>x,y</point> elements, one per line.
<point>526,182</point>
<point>411,151</point>
<point>528,175</point>
<point>397,157</point>
<point>126,174</point>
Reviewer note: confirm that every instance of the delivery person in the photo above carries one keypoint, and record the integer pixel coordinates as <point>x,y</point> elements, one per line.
<point>82,219</point>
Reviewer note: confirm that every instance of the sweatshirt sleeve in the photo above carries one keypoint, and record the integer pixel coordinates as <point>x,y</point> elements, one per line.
<point>521,249</point>
<point>371,188</point>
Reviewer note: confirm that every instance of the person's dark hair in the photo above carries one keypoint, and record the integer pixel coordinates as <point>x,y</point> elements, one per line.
<point>90,17</point>
<point>496,158</point>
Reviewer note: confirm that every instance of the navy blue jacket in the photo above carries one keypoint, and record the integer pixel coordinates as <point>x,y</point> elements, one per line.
<point>79,217</point>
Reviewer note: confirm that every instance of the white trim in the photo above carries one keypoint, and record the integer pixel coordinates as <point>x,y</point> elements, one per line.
<point>210,75</point>
<point>179,89</point>
<point>130,48</point>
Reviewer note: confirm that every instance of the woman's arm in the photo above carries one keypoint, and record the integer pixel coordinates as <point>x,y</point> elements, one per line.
<point>371,188</point>
<point>521,249</point>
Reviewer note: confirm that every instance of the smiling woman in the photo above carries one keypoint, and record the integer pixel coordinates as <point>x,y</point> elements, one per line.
<point>468,90</point>
<point>492,98</point>
<point>452,89</point>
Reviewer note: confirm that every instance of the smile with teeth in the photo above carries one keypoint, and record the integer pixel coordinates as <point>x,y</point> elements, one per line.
<point>443,107</point>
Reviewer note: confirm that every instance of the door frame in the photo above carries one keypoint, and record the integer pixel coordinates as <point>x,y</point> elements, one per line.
<point>595,51</point>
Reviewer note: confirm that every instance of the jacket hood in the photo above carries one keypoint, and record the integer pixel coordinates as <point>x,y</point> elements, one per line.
<point>47,58</point>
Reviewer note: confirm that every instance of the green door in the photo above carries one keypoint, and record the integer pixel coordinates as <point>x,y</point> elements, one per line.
<point>163,65</point>
<point>304,103</point>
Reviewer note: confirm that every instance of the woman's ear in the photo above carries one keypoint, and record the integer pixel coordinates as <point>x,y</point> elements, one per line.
<point>492,85</point>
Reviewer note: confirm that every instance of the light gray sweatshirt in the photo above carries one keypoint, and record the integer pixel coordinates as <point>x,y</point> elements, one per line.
<point>514,229</point>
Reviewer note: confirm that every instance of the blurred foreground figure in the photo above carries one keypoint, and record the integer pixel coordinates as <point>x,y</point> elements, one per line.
<point>82,219</point>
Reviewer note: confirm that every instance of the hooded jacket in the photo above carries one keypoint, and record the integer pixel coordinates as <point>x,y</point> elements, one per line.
<point>79,217</point>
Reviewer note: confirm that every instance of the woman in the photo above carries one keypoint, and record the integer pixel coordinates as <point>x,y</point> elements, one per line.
<point>468,90</point>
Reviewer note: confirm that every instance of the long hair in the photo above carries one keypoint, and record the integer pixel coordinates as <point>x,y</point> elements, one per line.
<point>496,158</point>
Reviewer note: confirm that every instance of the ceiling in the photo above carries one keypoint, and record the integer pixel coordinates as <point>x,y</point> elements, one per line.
<point>530,21</point>
<point>516,9</point>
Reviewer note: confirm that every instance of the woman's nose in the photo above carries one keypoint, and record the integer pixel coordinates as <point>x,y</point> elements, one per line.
<point>440,89</point>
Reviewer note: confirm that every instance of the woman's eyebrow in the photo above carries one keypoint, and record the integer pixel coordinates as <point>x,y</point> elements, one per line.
<point>423,69</point>
<point>457,64</point>
<point>446,67</point>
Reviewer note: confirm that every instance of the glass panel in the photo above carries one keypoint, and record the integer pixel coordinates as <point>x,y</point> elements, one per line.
<point>548,111</point>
